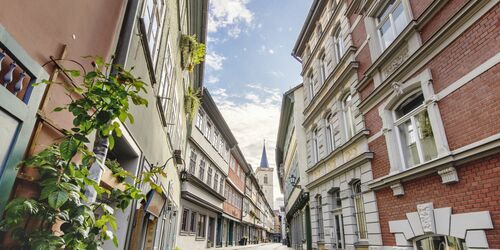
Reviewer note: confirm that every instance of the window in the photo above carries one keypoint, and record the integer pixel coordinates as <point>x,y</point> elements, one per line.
<point>154,11</point>
<point>192,162</point>
<point>265,179</point>
<point>315,143</point>
<point>192,225</point>
<point>208,130</point>
<point>166,79</point>
<point>338,219</point>
<point>221,185</point>
<point>209,176</point>
<point>216,181</point>
<point>322,67</point>
<point>359,209</point>
<point>185,220</point>
<point>319,217</point>
<point>201,172</point>
<point>199,119</point>
<point>311,84</point>
<point>350,128</point>
<point>319,30</point>
<point>173,115</point>
<point>330,134</point>
<point>215,140</point>
<point>338,42</point>
<point>440,242</point>
<point>414,131</point>
<point>201,226</point>
<point>391,22</point>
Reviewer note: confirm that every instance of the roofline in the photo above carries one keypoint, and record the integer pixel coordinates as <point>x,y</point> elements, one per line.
<point>312,16</point>
<point>210,108</point>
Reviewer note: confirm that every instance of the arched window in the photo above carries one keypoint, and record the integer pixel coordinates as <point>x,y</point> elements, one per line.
<point>322,67</point>
<point>338,219</point>
<point>339,45</point>
<point>315,142</point>
<point>350,127</point>
<point>310,79</point>
<point>359,209</point>
<point>329,133</point>
<point>440,242</point>
<point>414,131</point>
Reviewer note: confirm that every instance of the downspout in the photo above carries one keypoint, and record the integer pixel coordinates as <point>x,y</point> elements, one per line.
<point>101,143</point>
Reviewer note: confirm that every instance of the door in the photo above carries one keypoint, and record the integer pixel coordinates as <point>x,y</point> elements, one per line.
<point>211,228</point>
<point>19,102</point>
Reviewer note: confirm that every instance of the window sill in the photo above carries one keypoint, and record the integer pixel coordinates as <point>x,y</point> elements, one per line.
<point>483,148</point>
<point>200,238</point>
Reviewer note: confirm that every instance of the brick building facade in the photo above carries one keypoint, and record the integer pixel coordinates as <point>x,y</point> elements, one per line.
<point>422,108</point>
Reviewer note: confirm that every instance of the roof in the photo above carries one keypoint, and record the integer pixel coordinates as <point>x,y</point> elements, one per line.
<point>263,158</point>
<point>308,27</point>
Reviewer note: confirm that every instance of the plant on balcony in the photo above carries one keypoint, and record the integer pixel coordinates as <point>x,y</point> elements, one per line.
<point>62,217</point>
<point>192,102</point>
<point>192,52</point>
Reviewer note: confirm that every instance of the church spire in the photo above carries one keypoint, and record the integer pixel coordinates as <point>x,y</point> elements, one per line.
<point>263,159</point>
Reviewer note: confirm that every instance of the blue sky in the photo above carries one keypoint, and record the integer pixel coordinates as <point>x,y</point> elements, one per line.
<point>249,66</point>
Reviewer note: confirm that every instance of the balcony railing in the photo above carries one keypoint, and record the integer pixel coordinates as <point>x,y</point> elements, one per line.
<point>14,76</point>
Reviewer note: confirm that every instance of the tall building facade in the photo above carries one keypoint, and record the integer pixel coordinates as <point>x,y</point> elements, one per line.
<point>390,91</point>
<point>143,34</point>
<point>265,177</point>
<point>291,160</point>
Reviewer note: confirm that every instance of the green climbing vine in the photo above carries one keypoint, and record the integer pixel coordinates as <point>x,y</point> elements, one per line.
<point>193,52</point>
<point>62,217</point>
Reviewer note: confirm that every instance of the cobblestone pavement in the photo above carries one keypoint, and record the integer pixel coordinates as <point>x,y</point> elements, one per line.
<point>267,246</point>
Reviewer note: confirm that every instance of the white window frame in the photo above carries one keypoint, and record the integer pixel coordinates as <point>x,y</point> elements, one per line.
<point>381,20</point>
<point>360,213</point>
<point>348,117</point>
<point>322,67</point>
<point>411,116</point>
<point>338,42</point>
<point>329,133</point>
<point>153,34</point>
<point>310,79</point>
<point>421,82</point>
<point>315,145</point>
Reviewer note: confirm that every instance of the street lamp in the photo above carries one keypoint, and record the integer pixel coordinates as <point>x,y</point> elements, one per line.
<point>293,179</point>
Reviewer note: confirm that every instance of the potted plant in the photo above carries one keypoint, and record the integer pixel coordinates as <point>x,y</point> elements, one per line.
<point>192,52</point>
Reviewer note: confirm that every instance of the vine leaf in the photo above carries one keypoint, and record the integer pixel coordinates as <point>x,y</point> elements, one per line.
<point>58,198</point>
<point>68,149</point>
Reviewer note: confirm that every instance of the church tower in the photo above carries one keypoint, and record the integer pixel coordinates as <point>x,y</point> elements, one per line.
<point>264,175</point>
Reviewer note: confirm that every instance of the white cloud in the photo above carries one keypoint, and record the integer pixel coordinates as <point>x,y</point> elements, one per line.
<point>252,119</point>
<point>271,51</point>
<point>214,60</point>
<point>212,79</point>
<point>229,14</point>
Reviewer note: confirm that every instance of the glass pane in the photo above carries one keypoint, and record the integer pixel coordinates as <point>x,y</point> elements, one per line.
<point>409,104</point>
<point>386,10</point>
<point>455,243</point>
<point>7,133</point>
<point>386,33</point>
<point>408,142</point>
<point>399,18</point>
<point>426,136</point>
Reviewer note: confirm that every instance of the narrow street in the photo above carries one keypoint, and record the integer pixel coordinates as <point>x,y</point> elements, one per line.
<point>266,246</point>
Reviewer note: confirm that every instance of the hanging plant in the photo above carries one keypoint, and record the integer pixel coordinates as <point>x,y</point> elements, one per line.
<point>193,52</point>
<point>192,102</point>
<point>62,205</point>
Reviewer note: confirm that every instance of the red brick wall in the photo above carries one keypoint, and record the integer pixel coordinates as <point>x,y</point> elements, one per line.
<point>364,60</point>
<point>358,33</point>
<point>419,6</point>
<point>443,15</point>
<point>380,162</point>
<point>372,120</point>
<point>476,45</point>
<point>477,190</point>
<point>367,90</point>
<point>472,112</point>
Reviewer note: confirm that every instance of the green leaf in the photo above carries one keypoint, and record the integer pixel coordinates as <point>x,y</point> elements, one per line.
<point>73,73</point>
<point>58,109</point>
<point>131,118</point>
<point>115,241</point>
<point>111,142</point>
<point>122,116</point>
<point>68,149</point>
<point>58,198</point>
<point>99,61</point>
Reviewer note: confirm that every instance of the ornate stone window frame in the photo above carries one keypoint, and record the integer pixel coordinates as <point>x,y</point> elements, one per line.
<point>428,221</point>
<point>423,83</point>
